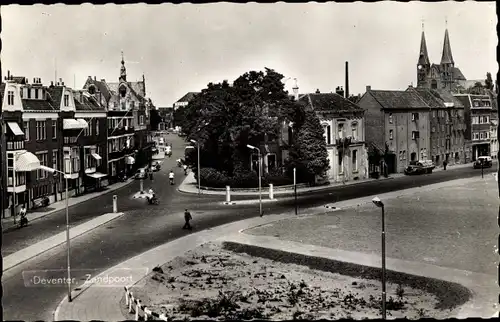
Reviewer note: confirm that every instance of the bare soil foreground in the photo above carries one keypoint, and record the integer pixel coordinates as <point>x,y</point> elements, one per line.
<point>211,283</point>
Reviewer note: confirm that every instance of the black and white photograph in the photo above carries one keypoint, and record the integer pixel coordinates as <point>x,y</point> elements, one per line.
<point>249,161</point>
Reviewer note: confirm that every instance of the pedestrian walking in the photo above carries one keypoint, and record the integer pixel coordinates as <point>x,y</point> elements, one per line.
<point>444,164</point>
<point>187,218</point>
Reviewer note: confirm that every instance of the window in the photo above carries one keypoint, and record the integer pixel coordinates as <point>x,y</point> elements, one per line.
<point>36,93</point>
<point>54,160</point>
<point>28,93</point>
<point>97,127</point>
<point>476,103</point>
<point>89,159</point>
<point>254,162</point>
<point>26,128</point>
<point>10,97</point>
<point>486,119</point>
<point>42,156</point>
<point>400,155</point>
<point>92,89</point>
<point>354,128</point>
<point>481,135</point>
<point>328,135</point>
<point>341,162</point>
<point>41,133</point>
<point>390,135</point>
<point>390,118</point>
<point>66,100</point>
<point>54,129</point>
<point>414,116</point>
<point>141,119</point>
<point>123,105</point>
<point>404,154</point>
<point>434,114</point>
<point>355,161</point>
<point>415,135</point>
<point>341,130</point>
<point>486,135</point>
<point>132,104</point>
<point>475,136</point>
<point>271,162</point>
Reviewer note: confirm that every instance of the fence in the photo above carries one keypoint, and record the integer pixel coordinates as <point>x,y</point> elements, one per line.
<point>135,306</point>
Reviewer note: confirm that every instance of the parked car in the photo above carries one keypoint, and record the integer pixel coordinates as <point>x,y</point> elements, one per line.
<point>155,166</point>
<point>141,173</point>
<point>420,167</point>
<point>484,161</point>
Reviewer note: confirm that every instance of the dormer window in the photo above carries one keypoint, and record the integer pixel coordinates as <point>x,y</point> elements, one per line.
<point>92,90</point>
<point>66,100</point>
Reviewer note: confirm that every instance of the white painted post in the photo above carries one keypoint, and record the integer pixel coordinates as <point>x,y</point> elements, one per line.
<point>115,206</point>
<point>137,308</point>
<point>126,296</point>
<point>271,192</point>
<point>146,314</point>
<point>130,302</point>
<point>142,186</point>
<point>228,194</point>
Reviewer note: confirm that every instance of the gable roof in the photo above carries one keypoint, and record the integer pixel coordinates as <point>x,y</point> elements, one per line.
<point>188,97</point>
<point>101,86</point>
<point>436,98</point>
<point>55,95</point>
<point>398,99</point>
<point>328,102</point>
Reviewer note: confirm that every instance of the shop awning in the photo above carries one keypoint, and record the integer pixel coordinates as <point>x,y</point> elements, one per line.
<point>130,160</point>
<point>83,123</point>
<point>96,156</point>
<point>72,124</point>
<point>97,175</point>
<point>14,127</point>
<point>26,162</point>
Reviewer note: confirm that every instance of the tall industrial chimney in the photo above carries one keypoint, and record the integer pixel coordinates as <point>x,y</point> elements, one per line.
<point>346,79</point>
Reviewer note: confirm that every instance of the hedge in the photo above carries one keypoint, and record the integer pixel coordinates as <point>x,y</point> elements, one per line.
<point>213,178</point>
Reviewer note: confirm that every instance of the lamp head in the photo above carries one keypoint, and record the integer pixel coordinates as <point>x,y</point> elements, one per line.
<point>44,168</point>
<point>251,147</point>
<point>378,202</point>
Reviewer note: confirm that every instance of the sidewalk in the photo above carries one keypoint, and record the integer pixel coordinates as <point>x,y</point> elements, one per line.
<point>189,185</point>
<point>56,240</point>
<point>103,303</point>
<point>8,222</point>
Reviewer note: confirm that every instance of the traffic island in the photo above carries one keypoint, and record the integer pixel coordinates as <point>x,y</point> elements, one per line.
<point>236,281</point>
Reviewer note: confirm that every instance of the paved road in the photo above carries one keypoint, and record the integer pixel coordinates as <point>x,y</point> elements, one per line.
<point>143,227</point>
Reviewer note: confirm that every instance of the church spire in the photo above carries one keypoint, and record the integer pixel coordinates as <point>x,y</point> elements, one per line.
<point>423,58</point>
<point>447,57</point>
<point>123,71</point>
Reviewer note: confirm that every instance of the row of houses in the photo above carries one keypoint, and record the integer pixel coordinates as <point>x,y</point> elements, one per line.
<point>91,134</point>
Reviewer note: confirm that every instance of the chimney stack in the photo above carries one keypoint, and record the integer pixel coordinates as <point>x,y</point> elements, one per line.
<point>95,78</point>
<point>317,91</point>
<point>339,91</point>
<point>346,79</point>
<point>296,90</point>
<point>8,74</point>
<point>368,88</point>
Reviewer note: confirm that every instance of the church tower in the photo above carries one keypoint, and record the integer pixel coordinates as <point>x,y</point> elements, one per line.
<point>123,79</point>
<point>423,65</point>
<point>447,64</point>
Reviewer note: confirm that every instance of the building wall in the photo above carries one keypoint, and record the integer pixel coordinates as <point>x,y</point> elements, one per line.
<point>402,142</point>
<point>373,120</point>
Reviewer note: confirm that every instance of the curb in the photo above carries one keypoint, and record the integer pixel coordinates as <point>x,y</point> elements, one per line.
<point>75,204</point>
<point>29,252</point>
<point>285,192</point>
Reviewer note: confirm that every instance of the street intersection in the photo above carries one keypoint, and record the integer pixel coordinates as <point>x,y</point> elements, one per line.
<point>144,226</point>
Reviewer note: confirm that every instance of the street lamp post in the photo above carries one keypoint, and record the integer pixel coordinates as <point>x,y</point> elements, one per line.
<point>199,179</point>
<point>51,170</point>
<point>260,179</point>
<point>380,204</point>
<point>295,187</point>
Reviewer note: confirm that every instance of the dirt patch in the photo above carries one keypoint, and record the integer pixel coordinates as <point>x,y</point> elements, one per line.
<point>211,282</point>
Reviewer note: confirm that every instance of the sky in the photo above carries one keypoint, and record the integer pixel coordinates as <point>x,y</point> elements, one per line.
<point>182,48</point>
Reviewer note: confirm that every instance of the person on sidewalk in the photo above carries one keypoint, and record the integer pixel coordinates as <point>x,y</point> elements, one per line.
<point>185,169</point>
<point>444,164</point>
<point>187,218</point>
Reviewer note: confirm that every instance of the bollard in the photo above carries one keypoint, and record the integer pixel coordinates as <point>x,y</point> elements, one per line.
<point>142,186</point>
<point>126,296</point>
<point>271,192</point>
<point>130,302</point>
<point>228,194</point>
<point>115,206</point>
<point>137,308</point>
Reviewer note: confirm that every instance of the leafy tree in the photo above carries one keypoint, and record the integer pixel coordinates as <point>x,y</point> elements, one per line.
<point>224,118</point>
<point>489,82</point>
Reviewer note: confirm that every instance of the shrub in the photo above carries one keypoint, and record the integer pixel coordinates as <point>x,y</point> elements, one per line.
<point>213,178</point>
<point>245,180</point>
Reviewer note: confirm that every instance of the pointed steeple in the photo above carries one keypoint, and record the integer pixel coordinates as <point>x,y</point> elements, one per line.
<point>123,71</point>
<point>423,58</point>
<point>447,57</point>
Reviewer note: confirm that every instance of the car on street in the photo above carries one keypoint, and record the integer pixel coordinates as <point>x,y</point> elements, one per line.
<point>420,167</point>
<point>483,161</point>
<point>140,174</point>
<point>155,166</point>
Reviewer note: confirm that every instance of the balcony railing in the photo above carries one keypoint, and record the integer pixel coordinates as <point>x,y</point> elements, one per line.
<point>121,131</point>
